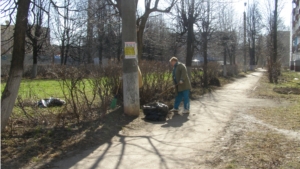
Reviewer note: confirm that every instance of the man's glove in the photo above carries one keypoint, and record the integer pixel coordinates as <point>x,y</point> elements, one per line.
<point>180,82</point>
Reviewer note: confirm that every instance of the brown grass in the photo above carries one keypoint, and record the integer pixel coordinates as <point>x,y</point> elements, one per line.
<point>255,146</point>
<point>263,149</point>
<point>286,116</point>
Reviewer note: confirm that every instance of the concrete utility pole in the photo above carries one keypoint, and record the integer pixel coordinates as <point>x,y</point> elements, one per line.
<point>245,64</point>
<point>131,95</point>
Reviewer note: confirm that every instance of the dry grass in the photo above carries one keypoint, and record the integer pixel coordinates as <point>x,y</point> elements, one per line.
<point>263,149</point>
<point>286,116</point>
<point>250,145</point>
<point>42,143</point>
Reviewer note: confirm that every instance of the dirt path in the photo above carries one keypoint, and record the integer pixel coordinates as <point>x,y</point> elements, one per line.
<point>184,141</point>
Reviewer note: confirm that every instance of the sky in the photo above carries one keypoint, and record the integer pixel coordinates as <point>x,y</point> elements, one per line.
<point>238,6</point>
<point>285,14</point>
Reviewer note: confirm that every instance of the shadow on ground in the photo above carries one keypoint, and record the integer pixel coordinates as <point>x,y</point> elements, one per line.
<point>90,134</point>
<point>176,120</point>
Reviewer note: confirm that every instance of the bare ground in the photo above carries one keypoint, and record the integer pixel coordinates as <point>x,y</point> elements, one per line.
<point>209,137</point>
<point>262,136</point>
<point>220,132</point>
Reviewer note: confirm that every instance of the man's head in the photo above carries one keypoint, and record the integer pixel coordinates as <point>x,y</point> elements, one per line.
<point>173,61</point>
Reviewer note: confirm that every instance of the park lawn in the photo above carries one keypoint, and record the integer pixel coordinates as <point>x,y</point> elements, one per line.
<point>288,79</point>
<point>38,88</point>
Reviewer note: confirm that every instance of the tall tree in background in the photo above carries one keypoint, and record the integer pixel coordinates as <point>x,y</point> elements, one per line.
<point>65,44</point>
<point>37,34</point>
<point>11,89</point>
<point>142,20</point>
<point>275,32</point>
<point>271,26</point>
<point>274,65</point>
<point>100,28</point>
<point>65,27</point>
<point>158,39</point>
<point>253,28</point>
<point>226,35</point>
<point>150,7</point>
<point>206,30</point>
<point>90,35</point>
<point>188,14</point>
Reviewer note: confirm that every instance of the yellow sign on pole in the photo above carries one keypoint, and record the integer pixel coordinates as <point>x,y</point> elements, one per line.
<point>130,50</point>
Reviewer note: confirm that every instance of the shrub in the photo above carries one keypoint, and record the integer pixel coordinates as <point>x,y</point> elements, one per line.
<point>157,81</point>
<point>88,90</point>
<point>196,77</point>
<point>232,70</point>
<point>213,71</point>
<point>273,71</point>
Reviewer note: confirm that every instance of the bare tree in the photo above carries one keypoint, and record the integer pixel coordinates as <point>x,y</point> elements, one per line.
<point>90,36</point>
<point>226,35</point>
<point>37,34</point>
<point>158,39</point>
<point>253,28</point>
<point>142,20</point>
<point>206,27</point>
<point>273,22</point>
<point>11,89</point>
<point>66,26</point>
<point>188,15</point>
<point>150,7</point>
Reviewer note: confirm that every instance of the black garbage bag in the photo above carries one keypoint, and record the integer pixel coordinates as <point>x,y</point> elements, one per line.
<point>155,111</point>
<point>51,102</point>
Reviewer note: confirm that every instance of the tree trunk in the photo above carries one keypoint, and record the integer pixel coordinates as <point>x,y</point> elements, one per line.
<point>62,51</point>
<point>140,35</point>
<point>254,49</point>
<point>252,52</point>
<point>119,42</point>
<point>225,60</point>
<point>34,57</point>
<point>34,70</point>
<point>100,47</point>
<point>275,70</point>
<point>205,44</point>
<point>11,89</point>
<point>230,55</point>
<point>275,32</point>
<point>89,32</point>
<point>244,44</point>
<point>66,54</point>
<point>190,45</point>
<point>233,55</point>
<point>235,71</point>
<point>36,41</point>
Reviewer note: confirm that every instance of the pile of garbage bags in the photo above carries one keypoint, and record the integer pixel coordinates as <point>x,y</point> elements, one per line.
<point>51,102</point>
<point>155,111</point>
